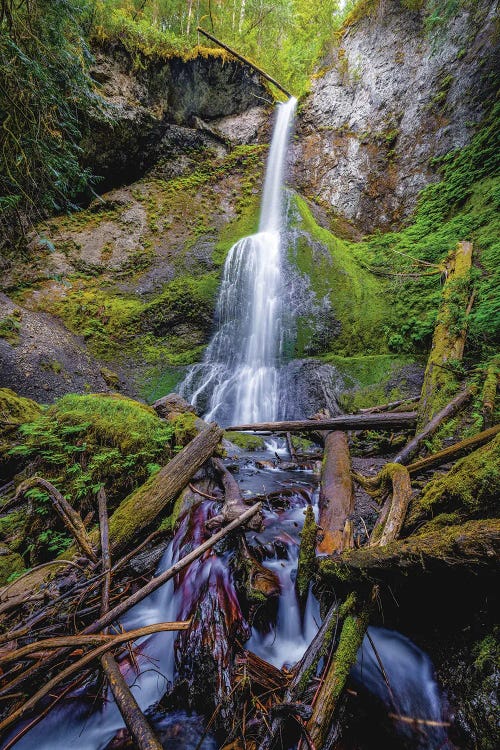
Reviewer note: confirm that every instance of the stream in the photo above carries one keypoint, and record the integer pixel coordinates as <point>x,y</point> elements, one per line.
<point>238,381</point>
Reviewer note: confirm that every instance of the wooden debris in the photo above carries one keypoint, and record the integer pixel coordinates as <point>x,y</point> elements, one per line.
<point>392,517</point>
<point>234,505</point>
<point>489,392</point>
<point>389,406</point>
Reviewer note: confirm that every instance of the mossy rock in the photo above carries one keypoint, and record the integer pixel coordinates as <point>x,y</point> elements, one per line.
<point>245,441</point>
<point>14,411</point>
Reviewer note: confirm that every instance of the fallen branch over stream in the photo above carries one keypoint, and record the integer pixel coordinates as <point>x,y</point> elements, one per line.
<point>405,420</point>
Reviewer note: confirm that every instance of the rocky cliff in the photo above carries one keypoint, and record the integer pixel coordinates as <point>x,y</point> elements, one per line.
<point>395,92</point>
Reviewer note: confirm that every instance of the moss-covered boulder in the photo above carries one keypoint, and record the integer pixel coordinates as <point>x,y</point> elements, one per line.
<point>10,563</point>
<point>14,411</point>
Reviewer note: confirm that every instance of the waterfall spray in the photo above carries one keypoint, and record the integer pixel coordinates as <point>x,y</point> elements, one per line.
<point>238,380</point>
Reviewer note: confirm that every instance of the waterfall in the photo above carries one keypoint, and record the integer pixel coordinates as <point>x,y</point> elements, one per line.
<point>238,380</point>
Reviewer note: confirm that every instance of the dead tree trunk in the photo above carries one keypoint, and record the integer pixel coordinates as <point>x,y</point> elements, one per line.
<point>336,497</point>
<point>447,346</point>
<point>430,428</point>
<point>245,60</point>
<point>405,420</point>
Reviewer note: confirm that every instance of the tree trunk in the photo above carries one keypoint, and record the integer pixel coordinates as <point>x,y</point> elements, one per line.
<point>453,452</point>
<point>447,346</point>
<point>405,420</point>
<point>336,497</point>
<point>490,391</point>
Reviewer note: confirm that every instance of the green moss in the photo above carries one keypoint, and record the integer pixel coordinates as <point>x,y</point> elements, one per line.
<point>184,426</point>
<point>84,442</point>
<point>10,327</point>
<point>14,411</point>
<point>471,487</point>
<point>334,572</point>
<point>336,272</point>
<point>366,379</point>
<point>9,565</point>
<point>487,653</point>
<point>245,440</point>
<point>307,554</point>
<point>351,638</point>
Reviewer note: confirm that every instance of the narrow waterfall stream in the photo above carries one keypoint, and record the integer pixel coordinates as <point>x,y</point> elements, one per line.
<point>239,381</point>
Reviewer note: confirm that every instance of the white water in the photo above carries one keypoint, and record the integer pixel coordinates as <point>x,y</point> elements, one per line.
<point>238,380</point>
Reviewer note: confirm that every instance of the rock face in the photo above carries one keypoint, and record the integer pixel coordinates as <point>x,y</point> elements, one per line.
<point>162,108</point>
<point>392,96</point>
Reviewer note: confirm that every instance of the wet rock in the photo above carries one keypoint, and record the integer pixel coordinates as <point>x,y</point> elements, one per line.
<point>307,386</point>
<point>389,98</point>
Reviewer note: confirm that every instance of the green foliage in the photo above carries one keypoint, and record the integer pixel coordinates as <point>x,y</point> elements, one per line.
<point>284,37</point>
<point>44,88</point>
<point>245,441</point>
<point>463,206</point>
<point>82,443</point>
<point>10,327</point>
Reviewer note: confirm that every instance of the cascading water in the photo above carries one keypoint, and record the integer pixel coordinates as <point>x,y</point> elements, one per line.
<point>238,380</point>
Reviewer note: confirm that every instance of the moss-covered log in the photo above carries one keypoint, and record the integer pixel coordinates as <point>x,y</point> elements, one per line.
<point>404,419</point>
<point>140,509</point>
<point>440,379</point>
<point>322,726</point>
<point>307,555</point>
<point>474,545</point>
<point>336,496</point>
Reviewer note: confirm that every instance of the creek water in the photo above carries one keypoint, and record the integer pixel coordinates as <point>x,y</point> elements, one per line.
<point>239,380</point>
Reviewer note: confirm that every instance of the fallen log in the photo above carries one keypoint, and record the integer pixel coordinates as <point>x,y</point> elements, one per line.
<point>430,428</point>
<point>473,545</point>
<point>91,656</point>
<point>405,420</point>
<point>234,505</point>
<point>68,515</point>
<point>336,496</point>
<point>245,60</point>
<point>453,452</point>
<point>447,344</point>
<point>140,509</point>
<point>262,675</point>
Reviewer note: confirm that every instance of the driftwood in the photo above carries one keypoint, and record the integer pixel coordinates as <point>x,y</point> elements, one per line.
<point>322,727</point>
<point>473,545</point>
<point>306,566</point>
<point>453,452</point>
<point>336,497</point>
<point>393,514</point>
<point>246,61</point>
<point>449,410</point>
<point>140,509</point>
<point>68,515</point>
<point>405,420</point>
<point>78,665</point>
<point>234,505</point>
<point>447,345</point>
